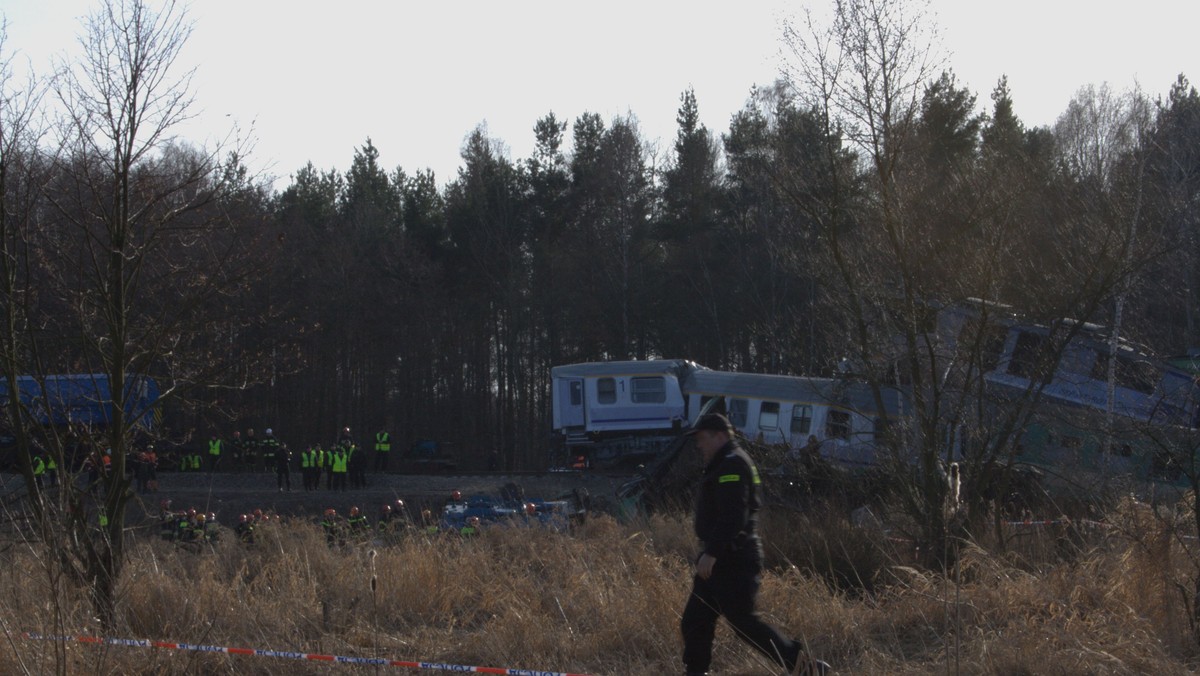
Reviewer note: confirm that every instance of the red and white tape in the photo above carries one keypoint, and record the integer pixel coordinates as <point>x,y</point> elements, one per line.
<point>258,652</point>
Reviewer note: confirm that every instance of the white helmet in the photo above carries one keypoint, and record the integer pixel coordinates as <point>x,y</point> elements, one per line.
<point>268,430</point>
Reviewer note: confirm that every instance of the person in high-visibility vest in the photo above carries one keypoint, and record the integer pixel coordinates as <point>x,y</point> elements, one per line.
<point>383,444</point>
<point>214,452</point>
<point>39,469</point>
<point>325,463</point>
<point>51,471</point>
<point>339,469</point>
<point>308,462</point>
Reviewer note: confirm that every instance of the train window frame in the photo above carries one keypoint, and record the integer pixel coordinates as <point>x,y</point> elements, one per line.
<point>739,410</point>
<point>765,422</point>
<point>648,390</point>
<point>606,390</point>
<point>575,392</point>
<point>1028,355</point>
<point>837,424</point>
<point>806,419</point>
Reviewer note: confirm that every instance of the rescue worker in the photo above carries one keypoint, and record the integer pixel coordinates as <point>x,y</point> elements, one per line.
<point>429,525</point>
<point>51,471</point>
<point>215,446</point>
<point>283,468</point>
<point>308,463</point>
<point>356,466</point>
<point>39,469</point>
<point>383,447</point>
<point>327,466</point>
<point>384,523</point>
<point>237,445</point>
<point>339,469</point>
<point>250,449</point>
<point>268,448</point>
<point>245,529</point>
<point>729,567</point>
<point>470,528</point>
<point>332,527</point>
<point>357,523</point>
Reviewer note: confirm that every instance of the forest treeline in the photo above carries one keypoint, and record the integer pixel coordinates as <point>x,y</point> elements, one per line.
<point>843,206</point>
<point>438,312</point>
<point>435,307</point>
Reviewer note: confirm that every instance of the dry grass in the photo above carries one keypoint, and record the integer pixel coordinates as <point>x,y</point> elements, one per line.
<point>606,600</point>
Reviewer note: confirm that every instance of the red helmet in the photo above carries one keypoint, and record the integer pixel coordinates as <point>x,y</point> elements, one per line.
<point>192,511</point>
<point>331,512</point>
<point>164,504</point>
<point>399,504</point>
<point>354,511</point>
<point>474,520</point>
<point>258,513</point>
<point>456,496</point>
<point>530,508</point>
<point>386,509</point>
<point>244,518</point>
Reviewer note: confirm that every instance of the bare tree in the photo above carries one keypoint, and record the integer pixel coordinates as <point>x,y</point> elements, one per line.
<point>143,245</point>
<point>926,233</point>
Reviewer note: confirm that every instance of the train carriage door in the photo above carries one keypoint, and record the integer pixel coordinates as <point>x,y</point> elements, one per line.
<point>571,402</point>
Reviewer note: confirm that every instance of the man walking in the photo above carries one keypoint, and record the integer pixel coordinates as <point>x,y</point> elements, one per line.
<point>729,567</point>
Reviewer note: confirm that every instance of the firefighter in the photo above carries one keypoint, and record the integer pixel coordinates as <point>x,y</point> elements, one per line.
<point>470,527</point>
<point>357,523</point>
<point>383,447</point>
<point>429,525</point>
<point>250,449</point>
<point>384,523</point>
<point>245,529</point>
<point>268,448</point>
<point>332,526</point>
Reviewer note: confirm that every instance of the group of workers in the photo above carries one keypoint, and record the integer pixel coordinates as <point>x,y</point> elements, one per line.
<point>343,464</point>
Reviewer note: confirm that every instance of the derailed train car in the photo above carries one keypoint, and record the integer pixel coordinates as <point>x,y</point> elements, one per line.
<point>624,413</point>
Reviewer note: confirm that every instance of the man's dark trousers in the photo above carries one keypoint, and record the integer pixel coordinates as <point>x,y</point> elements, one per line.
<point>731,592</point>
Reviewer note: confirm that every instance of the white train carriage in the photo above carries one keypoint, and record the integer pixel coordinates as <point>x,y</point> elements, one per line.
<point>631,409</point>
<point>595,400</point>
<point>840,415</point>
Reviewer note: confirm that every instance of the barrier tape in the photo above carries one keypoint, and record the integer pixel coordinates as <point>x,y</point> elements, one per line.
<point>257,652</point>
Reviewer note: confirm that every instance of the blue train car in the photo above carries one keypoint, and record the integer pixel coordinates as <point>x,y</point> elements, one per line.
<point>82,399</point>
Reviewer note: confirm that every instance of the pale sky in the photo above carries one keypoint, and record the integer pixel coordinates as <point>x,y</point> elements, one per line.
<point>311,81</point>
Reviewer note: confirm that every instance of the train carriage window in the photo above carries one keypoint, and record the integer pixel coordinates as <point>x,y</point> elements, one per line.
<point>606,390</point>
<point>649,390</point>
<point>1027,355</point>
<point>801,419</point>
<point>738,410</point>
<point>1140,376</point>
<point>768,416</point>
<point>837,424</point>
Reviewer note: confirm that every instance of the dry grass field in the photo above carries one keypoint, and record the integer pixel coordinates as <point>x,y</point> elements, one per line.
<point>605,599</point>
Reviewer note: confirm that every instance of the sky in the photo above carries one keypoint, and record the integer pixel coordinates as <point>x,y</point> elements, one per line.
<point>312,81</point>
